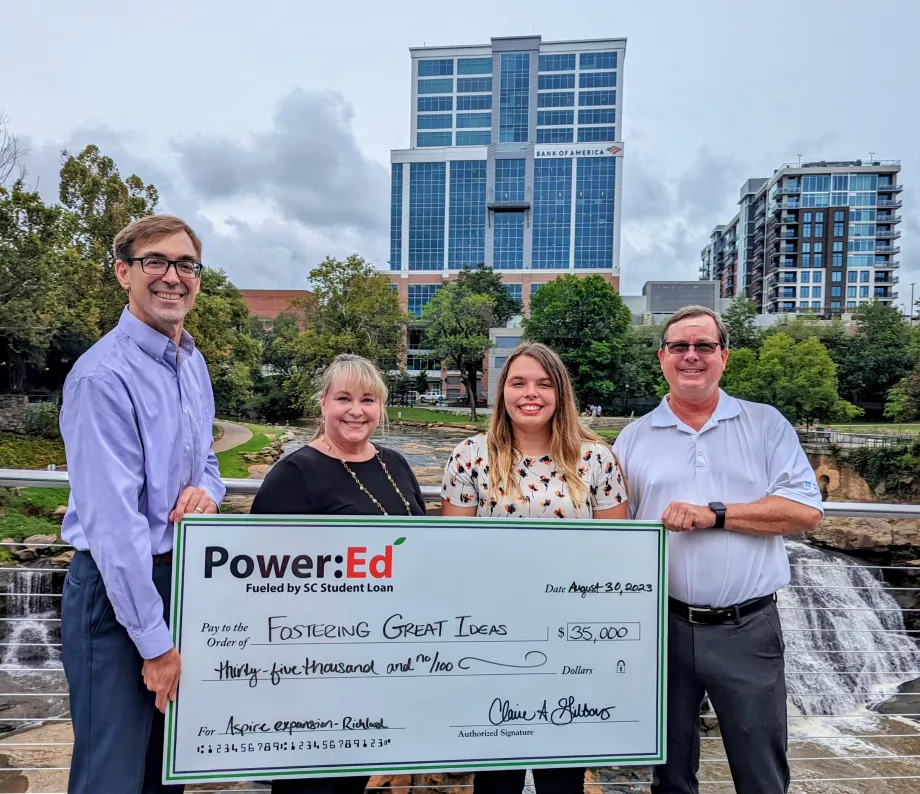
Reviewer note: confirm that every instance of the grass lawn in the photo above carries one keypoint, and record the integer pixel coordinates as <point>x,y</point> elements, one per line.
<point>29,452</point>
<point>887,428</point>
<point>231,462</point>
<point>28,512</point>
<point>428,415</point>
<point>609,435</point>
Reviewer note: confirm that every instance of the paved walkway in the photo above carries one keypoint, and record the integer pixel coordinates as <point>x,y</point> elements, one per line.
<point>233,436</point>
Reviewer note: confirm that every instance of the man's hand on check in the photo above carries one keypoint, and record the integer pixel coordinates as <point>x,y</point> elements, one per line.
<point>192,500</point>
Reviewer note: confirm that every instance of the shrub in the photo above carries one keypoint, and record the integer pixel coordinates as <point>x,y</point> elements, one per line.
<point>43,419</point>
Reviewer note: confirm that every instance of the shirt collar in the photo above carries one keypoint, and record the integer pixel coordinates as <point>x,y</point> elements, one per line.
<point>156,345</point>
<point>727,408</point>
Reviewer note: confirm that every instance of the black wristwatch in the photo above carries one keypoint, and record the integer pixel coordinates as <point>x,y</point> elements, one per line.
<point>719,509</point>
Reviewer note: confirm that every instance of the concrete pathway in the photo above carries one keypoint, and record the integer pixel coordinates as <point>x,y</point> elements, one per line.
<point>233,436</point>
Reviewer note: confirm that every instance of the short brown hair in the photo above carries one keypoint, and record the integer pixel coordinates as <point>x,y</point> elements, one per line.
<point>146,230</point>
<point>695,311</point>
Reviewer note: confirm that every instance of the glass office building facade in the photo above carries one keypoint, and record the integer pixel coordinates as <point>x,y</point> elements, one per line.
<point>515,159</point>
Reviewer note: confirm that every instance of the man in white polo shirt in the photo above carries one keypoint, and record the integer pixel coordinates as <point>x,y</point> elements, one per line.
<point>728,478</point>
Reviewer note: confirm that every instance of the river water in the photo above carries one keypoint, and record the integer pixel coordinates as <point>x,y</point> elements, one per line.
<point>847,652</point>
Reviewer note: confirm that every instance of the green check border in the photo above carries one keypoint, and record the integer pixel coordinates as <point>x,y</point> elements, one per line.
<point>178,573</point>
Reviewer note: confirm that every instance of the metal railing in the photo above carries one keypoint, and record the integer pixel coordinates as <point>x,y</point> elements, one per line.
<point>855,750</point>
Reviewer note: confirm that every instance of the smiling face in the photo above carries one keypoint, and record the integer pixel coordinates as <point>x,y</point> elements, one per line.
<point>530,398</point>
<point>690,375</point>
<point>162,302</point>
<point>350,414</point>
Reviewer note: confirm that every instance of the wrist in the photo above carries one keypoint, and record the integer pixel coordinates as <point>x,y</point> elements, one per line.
<point>719,509</point>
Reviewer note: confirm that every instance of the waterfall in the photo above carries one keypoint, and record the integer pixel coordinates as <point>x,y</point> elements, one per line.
<point>31,624</point>
<point>858,646</point>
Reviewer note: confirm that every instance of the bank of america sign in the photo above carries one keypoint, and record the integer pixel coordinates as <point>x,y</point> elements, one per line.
<point>590,150</point>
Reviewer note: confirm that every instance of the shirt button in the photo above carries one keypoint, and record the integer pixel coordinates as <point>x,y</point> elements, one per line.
<point>187,447</point>
<point>158,359</point>
<point>698,453</point>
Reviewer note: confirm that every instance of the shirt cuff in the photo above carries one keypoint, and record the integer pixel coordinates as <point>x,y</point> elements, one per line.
<point>153,642</point>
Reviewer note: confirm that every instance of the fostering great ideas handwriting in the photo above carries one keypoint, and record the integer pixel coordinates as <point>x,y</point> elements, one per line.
<point>553,657</point>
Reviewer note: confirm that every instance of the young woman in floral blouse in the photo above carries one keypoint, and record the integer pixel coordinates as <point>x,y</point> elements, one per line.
<point>536,460</point>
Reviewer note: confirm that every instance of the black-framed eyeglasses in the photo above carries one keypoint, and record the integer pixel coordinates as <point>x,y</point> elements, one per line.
<point>701,348</point>
<point>159,266</point>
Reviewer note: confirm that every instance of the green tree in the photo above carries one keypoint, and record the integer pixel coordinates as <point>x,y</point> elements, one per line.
<point>34,257</point>
<point>457,324</point>
<point>102,204</point>
<point>585,321</point>
<point>903,403</point>
<point>739,319</point>
<point>220,325</point>
<point>482,280</point>
<point>640,369</point>
<point>420,383</point>
<point>877,356</point>
<point>353,310</point>
<point>798,378</point>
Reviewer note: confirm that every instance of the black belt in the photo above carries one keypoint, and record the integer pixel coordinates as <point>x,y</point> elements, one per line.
<point>710,616</point>
<point>162,559</point>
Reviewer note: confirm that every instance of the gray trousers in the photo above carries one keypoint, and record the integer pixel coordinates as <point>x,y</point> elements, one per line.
<point>117,730</point>
<point>740,665</point>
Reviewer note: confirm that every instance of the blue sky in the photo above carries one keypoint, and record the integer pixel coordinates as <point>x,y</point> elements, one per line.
<point>268,126</point>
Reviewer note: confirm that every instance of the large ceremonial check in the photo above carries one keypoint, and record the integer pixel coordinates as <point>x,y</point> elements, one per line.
<point>357,645</point>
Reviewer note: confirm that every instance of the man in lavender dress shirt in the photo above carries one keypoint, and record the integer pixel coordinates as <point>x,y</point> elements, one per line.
<point>136,419</point>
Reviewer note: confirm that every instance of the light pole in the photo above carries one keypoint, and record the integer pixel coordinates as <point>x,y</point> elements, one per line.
<point>912,283</point>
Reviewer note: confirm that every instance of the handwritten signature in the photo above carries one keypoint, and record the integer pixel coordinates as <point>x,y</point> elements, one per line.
<point>566,711</point>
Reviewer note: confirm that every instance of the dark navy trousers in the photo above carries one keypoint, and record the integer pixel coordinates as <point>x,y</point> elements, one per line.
<point>118,732</point>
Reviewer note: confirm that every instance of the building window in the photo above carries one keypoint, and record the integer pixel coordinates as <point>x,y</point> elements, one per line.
<point>837,275</point>
<point>534,288</point>
<point>555,135</point>
<point>835,292</point>
<point>508,242</point>
<point>558,99</point>
<point>442,86</point>
<point>803,292</point>
<point>594,212</point>
<point>466,120</point>
<point>509,180</point>
<point>816,292</point>
<point>839,216</point>
<point>851,292</point>
<point>804,277</point>
<point>474,137</point>
<point>555,118</point>
<point>557,63</point>
<point>588,134</point>
<point>435,104</point>
<point>474,66</point>
<point>835,306</point>
<point>420,296</point>
<point>467,244</point>
<point>396,201</point>
<point>432,139</point>
<point>511,342</point>
<point>864,276</point>
<point>514,291</point>
<point>416,362</point>
<point>552,211</point>
<point>431,67</point>
<point>597,60</point>
<point>816,277</point>
<point>806,218</point>
<point>851,277</point>
<point>427,183</point>
<point>589,98</point>
<point>863,292</point>
<point>838,229</point>
<point>514,98</point>
<point>601,116</point>
<point>435,121</point>
<point>549,82</point>
<point>474,102</point>
<point>806,230</point>
<point>598,80</point>
<point>474,85</point>
<point>816,304</point>
<point>500,361</point>
<point>837,260</point>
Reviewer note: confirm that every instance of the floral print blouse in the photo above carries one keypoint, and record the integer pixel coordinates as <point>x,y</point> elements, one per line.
<point>544,490</point>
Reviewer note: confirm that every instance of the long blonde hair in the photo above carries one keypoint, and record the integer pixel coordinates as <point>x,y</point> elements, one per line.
<point>358,370</point>
<point>567,433</point>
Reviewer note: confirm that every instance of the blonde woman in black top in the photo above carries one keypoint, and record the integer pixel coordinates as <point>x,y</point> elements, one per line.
<point>340,472</point>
